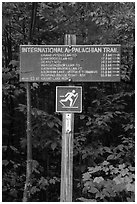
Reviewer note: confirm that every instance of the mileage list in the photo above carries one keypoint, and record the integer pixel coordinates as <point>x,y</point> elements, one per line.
<point>69,63</point>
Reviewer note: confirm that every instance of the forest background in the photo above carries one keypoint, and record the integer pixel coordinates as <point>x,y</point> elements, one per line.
<point>104,144</point>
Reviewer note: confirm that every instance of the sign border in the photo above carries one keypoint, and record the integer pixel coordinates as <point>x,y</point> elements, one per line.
<point>71,45</point>
<point>79,111</point>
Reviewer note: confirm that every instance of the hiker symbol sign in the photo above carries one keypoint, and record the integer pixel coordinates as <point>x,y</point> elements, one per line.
<point>69,99</point>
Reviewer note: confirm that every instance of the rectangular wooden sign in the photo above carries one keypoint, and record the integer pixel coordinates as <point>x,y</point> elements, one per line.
<point>60,63</point>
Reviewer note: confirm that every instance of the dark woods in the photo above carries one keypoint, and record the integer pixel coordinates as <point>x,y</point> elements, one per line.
<point>104,132</point>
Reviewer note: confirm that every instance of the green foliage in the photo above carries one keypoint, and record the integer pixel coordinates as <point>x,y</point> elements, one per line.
<point>106,182</point>
<point>14,178</point>
<point>13,174</point>
<point>107,144</point>
<point>43,124</point>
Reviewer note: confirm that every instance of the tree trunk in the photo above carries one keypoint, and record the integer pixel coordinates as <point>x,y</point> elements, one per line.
<point>26,194</point>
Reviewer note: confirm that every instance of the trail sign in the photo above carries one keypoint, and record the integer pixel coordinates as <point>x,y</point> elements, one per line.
<point>69,99</point>
<point>58,63</point>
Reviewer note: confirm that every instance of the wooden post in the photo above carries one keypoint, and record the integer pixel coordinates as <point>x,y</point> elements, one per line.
<point>67,157</point>
<point>67,146</point>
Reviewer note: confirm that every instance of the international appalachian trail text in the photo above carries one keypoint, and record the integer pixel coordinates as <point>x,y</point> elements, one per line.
<point>69,50</point>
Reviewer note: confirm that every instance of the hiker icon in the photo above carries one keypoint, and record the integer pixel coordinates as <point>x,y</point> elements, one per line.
<point>69,99</point>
